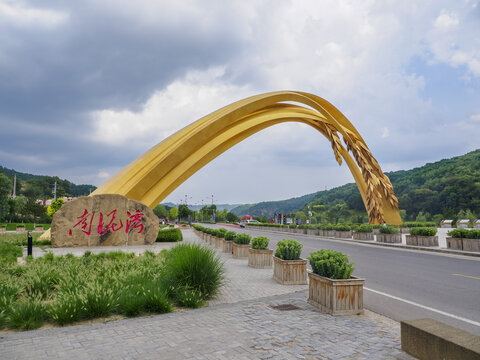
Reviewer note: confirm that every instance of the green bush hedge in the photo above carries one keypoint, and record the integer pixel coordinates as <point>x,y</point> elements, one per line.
<point>260,242</point>
<point>242,239</point>
<point>221,233</point>
<point>331,264</point>
<point>342,227</point>
<point>229,236</point>
<point>413,224</point>
<point>364,228</point>
<point>423,231</point>
<point>169,235</point>
<point>464,233</point>
<point>288,249</point>
<point>388,230</point>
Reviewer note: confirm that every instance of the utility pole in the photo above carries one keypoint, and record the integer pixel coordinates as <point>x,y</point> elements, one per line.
<point>55,192</point>
<point>14,186</point>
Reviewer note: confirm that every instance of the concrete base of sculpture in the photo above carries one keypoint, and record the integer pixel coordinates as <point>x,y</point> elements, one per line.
<point>103,220</point>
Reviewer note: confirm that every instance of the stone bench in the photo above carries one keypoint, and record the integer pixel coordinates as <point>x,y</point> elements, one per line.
<point>431,339</point>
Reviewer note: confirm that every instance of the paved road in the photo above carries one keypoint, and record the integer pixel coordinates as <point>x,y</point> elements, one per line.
<point>406,284</point>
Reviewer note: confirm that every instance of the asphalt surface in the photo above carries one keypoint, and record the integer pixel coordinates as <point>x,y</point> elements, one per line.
<point>405,284</point>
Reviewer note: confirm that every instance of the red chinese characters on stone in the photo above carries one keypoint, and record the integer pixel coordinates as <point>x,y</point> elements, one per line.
<point>133,222</point>
<point>111,225</point>
<point>84,222</point>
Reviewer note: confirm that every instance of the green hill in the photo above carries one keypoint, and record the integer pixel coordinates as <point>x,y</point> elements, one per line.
<point>41,186</point>
<point>444,188</point>
<point>268,208</point>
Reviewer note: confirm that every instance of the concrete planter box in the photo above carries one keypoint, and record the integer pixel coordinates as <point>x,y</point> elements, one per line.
<point>417,240</point>
<point>321,232</point>
<point>344,234</point>
<point>336,296</point>
<point>303,231</point>
<point>376,231</point>
<point>2,229</point>
<point>20,229</point>
<point>329,233</point>
<point>454,243</point>
<point>240,251</point>
<point>312,232</point>
<point>211,240</point>
<point>218,243</point>
<point>290,272</point>
<point>38,228</point>
<point>389,238</point>
<point>404,230</point>
<point>471,244</point>
<point>260,259</point>
<point>363,235</point>
<point>227,246</point>
<point>463,244</point>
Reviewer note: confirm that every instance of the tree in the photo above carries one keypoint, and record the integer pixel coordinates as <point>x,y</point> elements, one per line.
<point>5,190</point>
<point>231,217</point>
<point>183,212</point>
<point>160,211</point>
<point>55,206</point>
<point>173,213</point>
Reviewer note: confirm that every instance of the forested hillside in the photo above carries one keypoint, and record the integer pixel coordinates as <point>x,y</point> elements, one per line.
<point>448,188</point>
<point>41,187</point>
<point>268,208</point>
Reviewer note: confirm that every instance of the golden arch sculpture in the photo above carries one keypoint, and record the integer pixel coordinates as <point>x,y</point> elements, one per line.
<point>154,175</point>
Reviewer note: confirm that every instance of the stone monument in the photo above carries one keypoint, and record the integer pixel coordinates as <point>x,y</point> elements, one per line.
<point>103,220</point>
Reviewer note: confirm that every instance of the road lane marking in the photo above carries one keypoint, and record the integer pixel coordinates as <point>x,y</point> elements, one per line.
<point>468,276</point>
<point>476,323</point>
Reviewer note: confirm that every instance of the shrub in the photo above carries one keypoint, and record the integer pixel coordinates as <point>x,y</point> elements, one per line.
<point>242,239</point>
<point>66,309</point>
<point>388,230</point>
<point>9,253</point>
<point>331,264</point>
<point>229,236</point>
<point>288,249</point>
<point>27,314</point>
<point>221,233</point>
<point>464,233</point>
<point>188,297</point>
<point>98,300</point>
<point>169,235</point>
<point>196,267</point>
<point>423,231</point>
<point>342,227</point>
<point>364,228</point>
<point>156,298</point>
<point>260,242</point>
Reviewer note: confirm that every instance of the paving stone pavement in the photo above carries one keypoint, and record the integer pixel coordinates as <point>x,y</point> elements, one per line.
<point>239,324</point>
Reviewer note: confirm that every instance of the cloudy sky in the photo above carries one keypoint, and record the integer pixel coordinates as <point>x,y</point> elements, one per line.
<point>88,86</point>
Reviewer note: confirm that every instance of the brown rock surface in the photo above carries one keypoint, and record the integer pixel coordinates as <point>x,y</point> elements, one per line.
<point>101,220</point>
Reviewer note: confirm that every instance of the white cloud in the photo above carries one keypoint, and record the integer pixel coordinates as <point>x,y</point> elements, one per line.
<point>179,104</point>
<point>385,133</point>
<point>18,14</point>
<point>475,118</point>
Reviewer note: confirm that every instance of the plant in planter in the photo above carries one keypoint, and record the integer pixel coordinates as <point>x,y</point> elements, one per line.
<point>259,256</point>
<point>219,237</point>
<point>332,288</point>
<point>422,236</point>
<point>329,230</point>
<point>388,234</point>
<point>240,246</point>
<point>363,232</point>
<point>462,239</point>
<point>343,231</point>
<point>288,267</point>
<point>228,241</point>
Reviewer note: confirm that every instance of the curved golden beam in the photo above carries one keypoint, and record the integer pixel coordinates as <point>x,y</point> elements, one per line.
<point>159,171</point>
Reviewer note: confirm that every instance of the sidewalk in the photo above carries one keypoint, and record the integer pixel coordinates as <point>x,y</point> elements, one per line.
<point>240,324</point>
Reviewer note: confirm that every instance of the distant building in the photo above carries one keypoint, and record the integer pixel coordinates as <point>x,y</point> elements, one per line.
<point>446,224</point>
